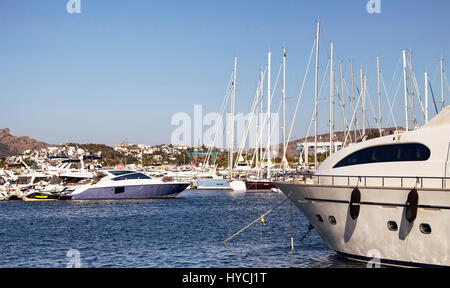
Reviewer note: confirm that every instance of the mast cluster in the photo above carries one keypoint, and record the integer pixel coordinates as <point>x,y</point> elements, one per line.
<point>359,99</point>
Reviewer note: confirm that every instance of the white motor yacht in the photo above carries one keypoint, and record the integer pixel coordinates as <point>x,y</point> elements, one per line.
<point>121,184</point>
<point>386,199</point>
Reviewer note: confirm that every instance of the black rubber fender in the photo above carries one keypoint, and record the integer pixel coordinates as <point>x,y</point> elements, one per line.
<point>355,201</point>
<point>412,204</point>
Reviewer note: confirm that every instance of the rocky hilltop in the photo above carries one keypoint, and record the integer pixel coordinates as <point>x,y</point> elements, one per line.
<point>12,145</point>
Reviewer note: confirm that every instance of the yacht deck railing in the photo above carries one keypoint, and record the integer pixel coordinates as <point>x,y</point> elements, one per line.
<point>419,182</point>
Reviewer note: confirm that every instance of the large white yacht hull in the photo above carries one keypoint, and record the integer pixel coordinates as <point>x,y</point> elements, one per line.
<point>368,236</point>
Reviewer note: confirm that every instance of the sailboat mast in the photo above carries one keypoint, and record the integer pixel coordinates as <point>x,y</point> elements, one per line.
<point>380,119</point>
<point>284,112</point>
<point>316,95</point>
<point>353,98</point>
<point>257,124</point>
<point>426,97</point>
<point>269,96</point>
<point>233,100</point>
<point>363,101</point>
<point>405,90</point>
<point>442,83</point>
<point>331,100</point>
<point>343,102</point>
<point>413,110</point>
<point>261,120</point>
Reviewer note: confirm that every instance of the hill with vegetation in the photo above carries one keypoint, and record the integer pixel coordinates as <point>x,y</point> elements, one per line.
<point>13,145</point>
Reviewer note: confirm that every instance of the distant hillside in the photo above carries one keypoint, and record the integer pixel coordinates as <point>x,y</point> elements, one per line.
<point>12,145</point>
<point>107,153</point>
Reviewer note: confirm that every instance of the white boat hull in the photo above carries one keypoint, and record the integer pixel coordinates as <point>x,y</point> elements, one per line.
<point>369,236</point>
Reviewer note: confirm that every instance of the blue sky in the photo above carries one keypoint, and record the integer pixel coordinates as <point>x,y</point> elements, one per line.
<point>123,68</point>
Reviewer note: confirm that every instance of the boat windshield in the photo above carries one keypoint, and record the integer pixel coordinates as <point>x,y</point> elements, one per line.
<point>120,172</point>
<point>131,176</point>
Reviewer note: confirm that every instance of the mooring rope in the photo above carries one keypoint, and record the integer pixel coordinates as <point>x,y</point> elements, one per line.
<point>258,219</point>
<point>310,228</point>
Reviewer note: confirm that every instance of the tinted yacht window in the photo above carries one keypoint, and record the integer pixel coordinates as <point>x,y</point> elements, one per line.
<point>131,176</point>
<point>120,172</point>
<point>387,153</point>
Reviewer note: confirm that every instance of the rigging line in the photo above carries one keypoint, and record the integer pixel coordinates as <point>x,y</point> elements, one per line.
<point>388,100</point>
<point>266,118</point>
<point>396,93</point>
<point>344,118</point>
<point>224,102</point>
<point>399,65</point>
<point>271,100</point>
<point>418,93</point>
<point>301,92</point>
<point>264,124</point>
<point>435,72</point>
<point>307,133</point>
<point>275,86</point>
<point>249,121</point>
<point>258,140</point>
<point>434,100</point>
<point>373,110</point>
<point>353,119</point>
<point>273,124</point>
<point>358,92</point>
<point>272,127</point>
<point>256,220</point>
<point>446,81</point>
<point>350,98</point>
<point>348,90</point>
<point>312,117</point>
<point>323,81</point>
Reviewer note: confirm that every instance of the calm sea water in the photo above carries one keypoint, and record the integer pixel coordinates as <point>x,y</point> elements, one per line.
<point>183,232</point>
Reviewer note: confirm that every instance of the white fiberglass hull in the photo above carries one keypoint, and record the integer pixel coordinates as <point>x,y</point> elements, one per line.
<point>371,234</point>
<point>129,189</point>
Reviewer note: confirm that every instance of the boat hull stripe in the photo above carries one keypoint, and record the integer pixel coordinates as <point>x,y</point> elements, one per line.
<point>388,261</point>
<point>376,203</point>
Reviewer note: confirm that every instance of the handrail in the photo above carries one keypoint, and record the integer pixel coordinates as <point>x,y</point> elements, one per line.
<point>369,176</point>
<point>362,181</point>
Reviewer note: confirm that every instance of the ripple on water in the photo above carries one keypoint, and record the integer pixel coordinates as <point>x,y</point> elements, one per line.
<point>182,232</point>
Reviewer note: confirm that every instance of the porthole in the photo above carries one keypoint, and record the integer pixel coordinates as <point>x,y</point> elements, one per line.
<point>319,218</point>
<point>425,228</point>
<point>332,220</point>
<point>392,225</point>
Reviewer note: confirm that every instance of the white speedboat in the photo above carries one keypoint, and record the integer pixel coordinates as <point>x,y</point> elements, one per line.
<point>387,198</point>
<point>213,184</point>
<point>120,184</point>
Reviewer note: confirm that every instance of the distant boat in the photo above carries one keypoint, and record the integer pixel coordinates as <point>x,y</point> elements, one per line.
<point>3,196</point>
<point>260,185</point>
<point>213,184</point>
<point>43,196</point>
<point>238,185</point>
<point>243,166</point>
<point>120,184</point>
